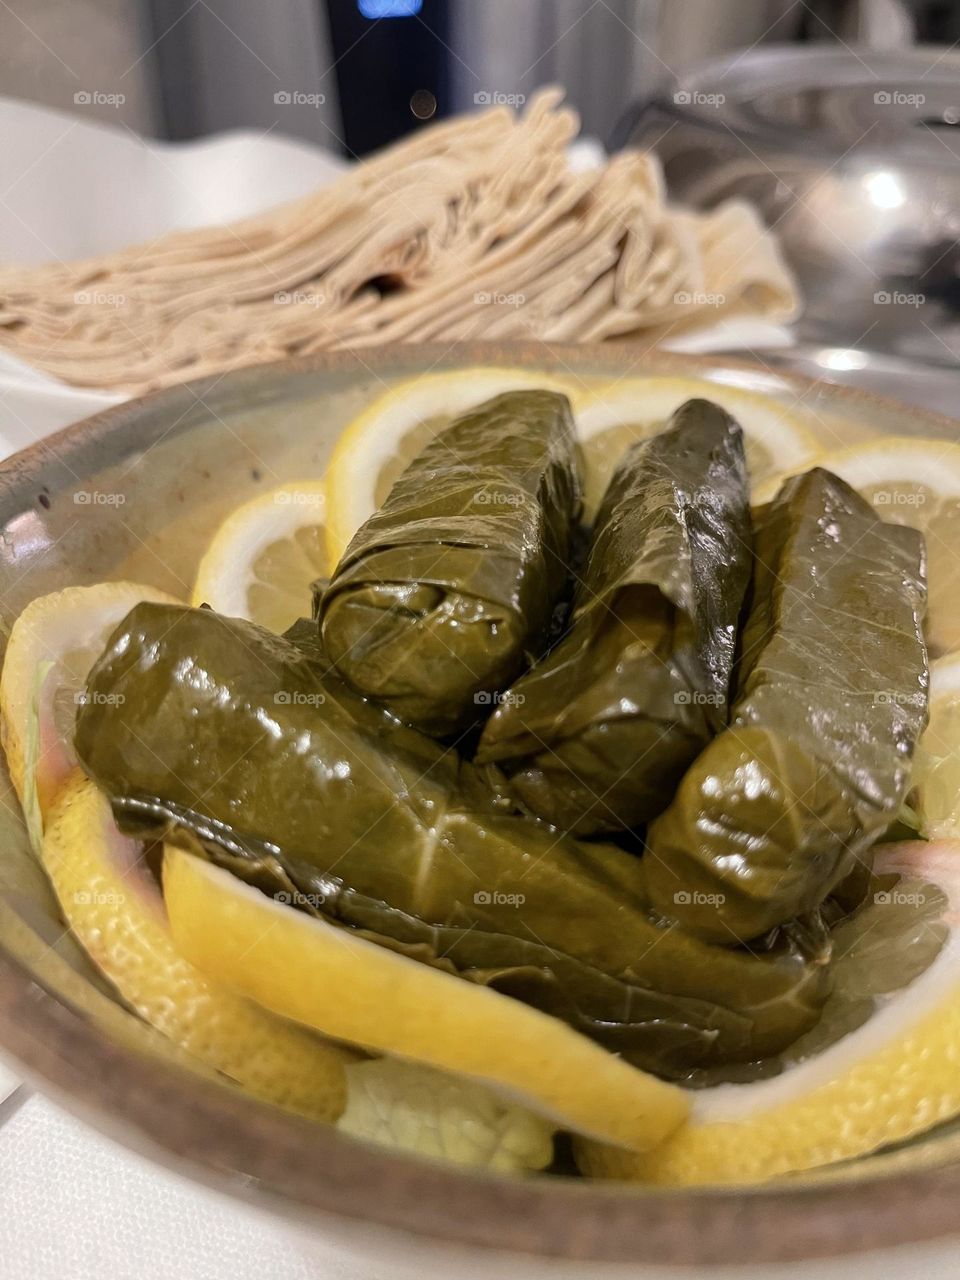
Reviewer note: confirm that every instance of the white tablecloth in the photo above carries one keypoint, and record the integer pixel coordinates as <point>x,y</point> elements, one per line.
<point>77,1207</point>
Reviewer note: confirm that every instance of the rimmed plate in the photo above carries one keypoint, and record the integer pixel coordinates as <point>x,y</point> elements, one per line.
<point>133,492</point>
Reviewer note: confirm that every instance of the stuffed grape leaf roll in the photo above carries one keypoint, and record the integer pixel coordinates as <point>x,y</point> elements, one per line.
<point>832,697</point>
<point>248,747</point>
<point>596,737</point>
<point>448,590</point>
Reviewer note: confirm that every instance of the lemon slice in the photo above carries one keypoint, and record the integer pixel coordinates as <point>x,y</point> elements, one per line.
<point>612,417</point>
<point>52,646</point>
<point>381,442</point>
<point>914,482</point>
<point>354,990</point>
<point>265,555</point>
<point>894,1075</point>
<point>114,907</point>
<point>935,789</point>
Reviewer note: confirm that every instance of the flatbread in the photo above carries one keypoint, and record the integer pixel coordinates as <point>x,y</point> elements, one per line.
<point>475,227</point>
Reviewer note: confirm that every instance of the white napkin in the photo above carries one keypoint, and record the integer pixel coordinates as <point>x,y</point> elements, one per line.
<point>72,188</point>
<point>34,405</point>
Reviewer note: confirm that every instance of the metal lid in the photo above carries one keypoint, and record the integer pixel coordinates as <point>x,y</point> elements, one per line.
<point>839,99</point>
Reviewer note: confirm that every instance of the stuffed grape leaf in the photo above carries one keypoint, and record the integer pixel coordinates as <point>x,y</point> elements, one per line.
<point>596,737</point>
<point>832,689</point>
<point>447,591</point>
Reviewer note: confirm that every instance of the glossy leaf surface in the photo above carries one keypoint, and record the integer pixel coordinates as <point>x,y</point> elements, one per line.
<point>832,697</point>
<point>447,591</point>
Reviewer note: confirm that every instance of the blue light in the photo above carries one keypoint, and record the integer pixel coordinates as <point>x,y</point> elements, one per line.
<point>389,8</point>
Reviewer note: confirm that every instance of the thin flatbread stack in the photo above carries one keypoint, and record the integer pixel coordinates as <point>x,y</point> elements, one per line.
<point>474,228</point>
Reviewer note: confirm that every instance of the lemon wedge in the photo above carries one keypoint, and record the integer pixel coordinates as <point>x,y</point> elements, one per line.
<point>896,1073</point>
<point>915,482</point>
<point>354,990</point>
<point>115,909</point>
<point>263,558</point>
<point>613,416</point>
<point>380,443</point>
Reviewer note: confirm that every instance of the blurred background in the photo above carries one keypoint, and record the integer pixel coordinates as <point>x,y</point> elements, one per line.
<point>186,68</point>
